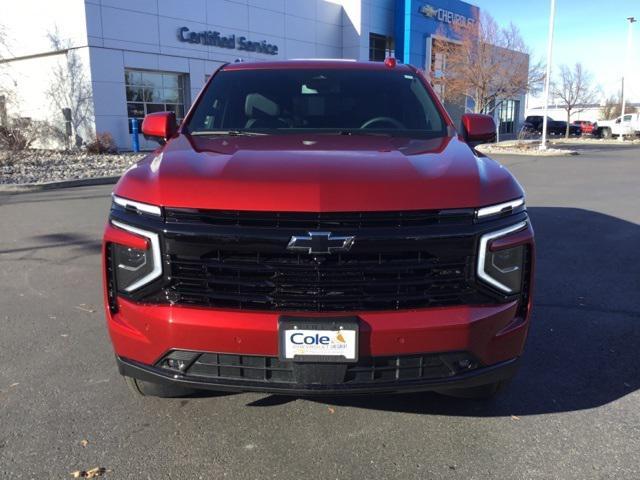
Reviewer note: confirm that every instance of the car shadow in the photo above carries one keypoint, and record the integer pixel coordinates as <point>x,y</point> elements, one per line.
<point>582,350</point>
<point>80,242</point>
<point>60,195</point>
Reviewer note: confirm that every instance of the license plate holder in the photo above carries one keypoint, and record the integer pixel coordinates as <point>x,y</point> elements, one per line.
<point>330,340</point>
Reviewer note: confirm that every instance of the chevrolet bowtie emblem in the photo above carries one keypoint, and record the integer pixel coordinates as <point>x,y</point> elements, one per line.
<point>320,243</point>
<point>429,11</point>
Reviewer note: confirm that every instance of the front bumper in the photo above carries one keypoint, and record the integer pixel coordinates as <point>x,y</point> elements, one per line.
<point>494,335</point>
<point>481,376</point>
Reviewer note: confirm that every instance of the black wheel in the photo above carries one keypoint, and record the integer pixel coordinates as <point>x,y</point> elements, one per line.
<point>479,393</point>
<point>141,388</point>
<point>606,133</point>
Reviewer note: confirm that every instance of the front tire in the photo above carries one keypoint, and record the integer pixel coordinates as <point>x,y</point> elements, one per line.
<point>140,388</point>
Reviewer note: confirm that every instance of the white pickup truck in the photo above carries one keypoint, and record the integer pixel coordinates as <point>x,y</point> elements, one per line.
<point>630,125</point>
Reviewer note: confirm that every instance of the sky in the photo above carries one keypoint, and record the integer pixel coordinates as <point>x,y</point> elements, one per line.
<point>591,32</point>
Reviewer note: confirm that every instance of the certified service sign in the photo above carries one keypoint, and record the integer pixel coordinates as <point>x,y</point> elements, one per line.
<point>216,39</point>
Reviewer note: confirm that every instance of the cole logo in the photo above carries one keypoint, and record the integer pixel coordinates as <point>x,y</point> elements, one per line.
<point>299,338</point>
<point>302,339</point>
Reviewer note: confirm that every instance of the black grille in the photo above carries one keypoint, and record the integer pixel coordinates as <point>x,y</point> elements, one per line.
<point>399,260</point>
<point>265,369</point>
<point>110,279</point>
<point>523,305</point>
<point>334,221</point>
<point>367,370</point>
<point>224,277</point>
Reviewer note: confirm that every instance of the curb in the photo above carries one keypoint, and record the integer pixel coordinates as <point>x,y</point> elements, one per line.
<point>491,149</point>
<point>37,187</point>
<point>521,153</point>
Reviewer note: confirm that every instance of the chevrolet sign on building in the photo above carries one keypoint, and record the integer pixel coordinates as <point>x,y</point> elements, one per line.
<point>418,23</point>
<point>445,16</point>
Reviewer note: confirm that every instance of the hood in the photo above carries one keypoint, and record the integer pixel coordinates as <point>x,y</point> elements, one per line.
<point>317,173</point>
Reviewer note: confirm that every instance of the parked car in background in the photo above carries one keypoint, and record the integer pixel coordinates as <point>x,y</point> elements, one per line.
<point>587,127</point>
<point>554,127</point>
<point>318,227</point>
<point>630,125</point>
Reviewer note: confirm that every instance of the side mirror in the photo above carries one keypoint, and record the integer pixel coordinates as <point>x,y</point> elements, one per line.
<point>159,126</point>
<point>478,128</point>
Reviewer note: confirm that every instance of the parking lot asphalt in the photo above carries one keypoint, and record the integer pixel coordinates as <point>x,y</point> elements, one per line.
<point>593,145</point>
<point>573,412</point>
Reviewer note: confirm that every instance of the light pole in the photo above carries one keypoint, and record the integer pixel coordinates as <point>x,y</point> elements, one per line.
<point>631,21</point>
<point>547,79</point>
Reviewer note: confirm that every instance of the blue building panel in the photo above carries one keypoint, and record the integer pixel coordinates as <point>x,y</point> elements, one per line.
<point>417,20</point>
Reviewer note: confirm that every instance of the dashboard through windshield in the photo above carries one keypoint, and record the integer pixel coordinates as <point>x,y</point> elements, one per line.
<point>346,101</point>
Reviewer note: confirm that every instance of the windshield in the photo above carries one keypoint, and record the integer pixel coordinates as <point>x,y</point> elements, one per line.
<point>345,101</point>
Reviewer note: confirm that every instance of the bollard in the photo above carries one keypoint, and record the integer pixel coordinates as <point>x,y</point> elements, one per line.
<point>135,140</point>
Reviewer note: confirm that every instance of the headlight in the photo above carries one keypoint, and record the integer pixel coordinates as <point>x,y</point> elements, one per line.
<point>500,208</point>
<point>133,267</point>
<point>137,207</point>
<point>502,268</point>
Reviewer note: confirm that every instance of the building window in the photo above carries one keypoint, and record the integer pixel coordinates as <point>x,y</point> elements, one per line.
<point>149,92</point>
<point>508,115</point>
<point>438,66</point>
<point>380,47</point>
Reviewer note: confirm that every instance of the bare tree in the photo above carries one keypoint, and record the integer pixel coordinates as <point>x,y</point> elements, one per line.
<point>4,42</point>
<point>69,86</point>
<point>611,109</point>
<point>6,91</point>
<point>487,63</point>
<point>17,132</point>
<point>573,90</point>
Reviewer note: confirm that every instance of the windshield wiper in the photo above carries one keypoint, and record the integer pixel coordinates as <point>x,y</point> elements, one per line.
<point>391,133</point>
<point>231,133</point>
<point>359,132</point>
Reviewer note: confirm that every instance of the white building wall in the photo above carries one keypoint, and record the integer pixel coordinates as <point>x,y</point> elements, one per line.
<point>143,35</point>
<point>351,29</point>
<point>378,16</point>
<point>359,19</point>
<point>308,27</point>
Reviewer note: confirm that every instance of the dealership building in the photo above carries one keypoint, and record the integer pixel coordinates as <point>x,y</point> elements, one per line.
<point>147,56</point>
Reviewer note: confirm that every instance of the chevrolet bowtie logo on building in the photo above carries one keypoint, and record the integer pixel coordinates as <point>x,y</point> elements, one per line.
<point>428,11</point>
<point>320,243</point>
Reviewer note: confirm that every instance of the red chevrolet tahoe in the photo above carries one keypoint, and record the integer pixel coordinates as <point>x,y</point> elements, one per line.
<point>318,227</point>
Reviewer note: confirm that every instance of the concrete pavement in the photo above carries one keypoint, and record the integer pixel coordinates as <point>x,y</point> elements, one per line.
<point>573,412</point>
